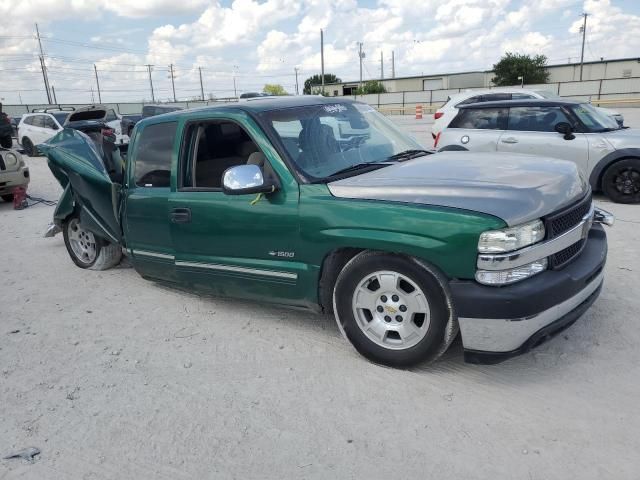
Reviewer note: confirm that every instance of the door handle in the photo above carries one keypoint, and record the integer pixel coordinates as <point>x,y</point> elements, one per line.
<point>510,140</point>
<point>180,215</point>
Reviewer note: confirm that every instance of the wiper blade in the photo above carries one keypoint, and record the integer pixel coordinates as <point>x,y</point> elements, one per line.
<point>360,166</point>
<point>409,154</point>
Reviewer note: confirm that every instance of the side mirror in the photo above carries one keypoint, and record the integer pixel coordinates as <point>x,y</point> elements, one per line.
<point>54,127</point>
<point>565,129</point>
<point>245,179</point>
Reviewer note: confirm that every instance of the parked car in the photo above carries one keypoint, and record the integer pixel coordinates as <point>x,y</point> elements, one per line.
<point>265,200</point>
<point>13,173</point>
<point>128,121</point>
<point>147,111</point>
<point>38,127</point>
<point>607,154</point>
<point>112,120</point>
<point>6,130</point>
<point>446,113</point>
<point>15,121</point>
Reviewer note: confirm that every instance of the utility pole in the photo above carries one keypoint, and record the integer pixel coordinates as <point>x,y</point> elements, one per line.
<point>296,70</point>
<point>381,65</point>
<point>153,98</point>
<point>173,85</point>
<point>53,92</point>
<point>201,87</point>
<point>322,58</point>
<point>235,90</point>
<point>361,55</point>
<point>95,69</point>
<point>43,66</point>
<point>584,34</point>
<point>393,64</point>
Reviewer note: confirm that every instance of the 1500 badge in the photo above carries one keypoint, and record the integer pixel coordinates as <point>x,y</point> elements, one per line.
<point>282,254</point>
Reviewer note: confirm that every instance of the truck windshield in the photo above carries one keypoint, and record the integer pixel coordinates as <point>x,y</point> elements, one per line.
<point>594,120</point>
<point>328,139</point>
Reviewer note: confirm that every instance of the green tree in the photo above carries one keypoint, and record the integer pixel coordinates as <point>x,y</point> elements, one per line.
<point>372,86</point>
<point>512,65</point>
<point>274,89</point>
<point>317,80</point>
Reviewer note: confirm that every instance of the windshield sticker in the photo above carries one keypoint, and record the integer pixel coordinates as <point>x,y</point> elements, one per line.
<point>337,108</point>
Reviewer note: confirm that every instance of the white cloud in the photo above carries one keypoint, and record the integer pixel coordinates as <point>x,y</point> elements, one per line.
<point>261,41</point>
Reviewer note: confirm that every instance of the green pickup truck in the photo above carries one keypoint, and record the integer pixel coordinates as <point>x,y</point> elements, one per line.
<point>325,204</point>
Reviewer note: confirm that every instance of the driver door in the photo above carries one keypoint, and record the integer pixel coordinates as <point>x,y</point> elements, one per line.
<point>234,245</point>
<point>531,130</point>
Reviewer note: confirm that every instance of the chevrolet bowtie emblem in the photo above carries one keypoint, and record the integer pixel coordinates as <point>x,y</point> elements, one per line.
<point>390,309</point>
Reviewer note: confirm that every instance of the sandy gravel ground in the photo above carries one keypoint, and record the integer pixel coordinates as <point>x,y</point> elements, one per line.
<point>115,377</point>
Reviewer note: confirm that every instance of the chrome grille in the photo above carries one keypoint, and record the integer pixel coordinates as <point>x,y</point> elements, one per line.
<point>562,221</point>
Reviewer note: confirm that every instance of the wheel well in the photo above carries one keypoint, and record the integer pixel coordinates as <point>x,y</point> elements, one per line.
<point>331,267</point>
<point>598,186</point>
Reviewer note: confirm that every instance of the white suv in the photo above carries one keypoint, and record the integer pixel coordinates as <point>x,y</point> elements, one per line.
<point>607,154</point>
<point>445,114</point>
<point>38,127</point>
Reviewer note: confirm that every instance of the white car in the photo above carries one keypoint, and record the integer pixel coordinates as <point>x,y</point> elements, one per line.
<point>38,127</point>
<point>607,154</point>
<point>445,114</point>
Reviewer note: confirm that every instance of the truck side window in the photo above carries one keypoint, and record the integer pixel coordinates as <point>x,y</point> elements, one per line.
<point>481,119</point>
<point>152,155</point>
<point>214,147</point>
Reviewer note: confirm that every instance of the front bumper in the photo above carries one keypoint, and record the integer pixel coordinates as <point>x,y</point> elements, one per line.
<point>498,323</point>
<point>16,178</point>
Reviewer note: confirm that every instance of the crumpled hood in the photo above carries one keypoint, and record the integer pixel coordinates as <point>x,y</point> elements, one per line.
<point>515,188</point>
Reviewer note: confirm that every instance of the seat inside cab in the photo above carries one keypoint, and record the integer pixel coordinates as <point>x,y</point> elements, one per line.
<point>216,147</point>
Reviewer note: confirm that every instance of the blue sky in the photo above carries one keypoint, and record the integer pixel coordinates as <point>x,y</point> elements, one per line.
<point>262,41</point>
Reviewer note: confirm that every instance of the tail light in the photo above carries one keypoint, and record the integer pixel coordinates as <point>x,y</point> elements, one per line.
<point>435,143</point>
<point>437,115</point>
<point>107,131</point>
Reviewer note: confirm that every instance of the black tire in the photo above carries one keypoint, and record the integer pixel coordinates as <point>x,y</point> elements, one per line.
<point>28,147</point>
<point>7,198</point>
<point>105,255</point>
<point>6,142</point>
<point>438,333</point>
<point>621,181</point>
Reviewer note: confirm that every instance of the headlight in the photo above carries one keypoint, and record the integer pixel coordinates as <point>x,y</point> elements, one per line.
<point>10,159</point>
<point>504,277</point>
<point>512,238</point>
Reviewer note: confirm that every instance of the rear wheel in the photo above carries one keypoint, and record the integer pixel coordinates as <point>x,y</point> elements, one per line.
<point>393,309</point>
<point>8,197</point>
<point>86,250</point>
<point>28,147</point>
<point>621,181</point>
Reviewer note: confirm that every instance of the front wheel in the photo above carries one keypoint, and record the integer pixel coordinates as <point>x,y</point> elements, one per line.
<point>86,250</point>
<point>621,181</point>
<point>6,142</point>
<point>393,309</point>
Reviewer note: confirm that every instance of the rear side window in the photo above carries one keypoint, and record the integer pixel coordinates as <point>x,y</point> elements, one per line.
<point>153,152</point>
<point>536,119</point>
<point>481,119</point>
<point>38,121</point>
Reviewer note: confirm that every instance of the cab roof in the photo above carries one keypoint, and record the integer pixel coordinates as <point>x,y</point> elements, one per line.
<point>259,105</point>
<point>537,102</point>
